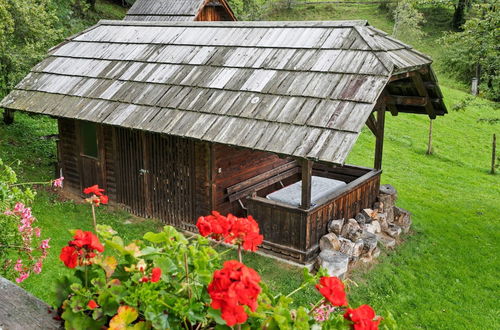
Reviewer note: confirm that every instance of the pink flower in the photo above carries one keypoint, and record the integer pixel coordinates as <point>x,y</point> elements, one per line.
<point>37,232</point>
<point>58,183</point>
<point>19,207</point>
<point>37,268</point>
<point>22,277</point>
<point>45,244</point>
<point>26,213</point>
<point>19,265</point>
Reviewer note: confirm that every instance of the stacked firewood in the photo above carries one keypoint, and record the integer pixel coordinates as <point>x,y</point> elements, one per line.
<point>359,239</point>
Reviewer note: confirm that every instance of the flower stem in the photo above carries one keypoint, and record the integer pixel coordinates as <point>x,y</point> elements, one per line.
<point>186,266</point>
<point>93,217</point>
<point>295,291</point>
<point>240,257</point>
<point>28,183</point>
<point>316,305</point>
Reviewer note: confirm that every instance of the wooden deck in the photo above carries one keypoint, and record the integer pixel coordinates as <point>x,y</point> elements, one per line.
<point>293,232</point>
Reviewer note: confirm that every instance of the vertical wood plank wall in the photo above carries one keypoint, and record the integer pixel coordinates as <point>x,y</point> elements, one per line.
<point>69,153</point>
<point>151,175</point>
<point>237,165</point>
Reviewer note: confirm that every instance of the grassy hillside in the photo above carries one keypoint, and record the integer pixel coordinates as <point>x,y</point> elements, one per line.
<point>445,276</point>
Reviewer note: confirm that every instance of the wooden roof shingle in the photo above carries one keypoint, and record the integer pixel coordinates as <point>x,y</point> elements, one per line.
<point>303,89</point>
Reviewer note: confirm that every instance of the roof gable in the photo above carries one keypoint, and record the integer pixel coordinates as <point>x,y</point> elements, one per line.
<point>303,89</point>
<point>175,10</point>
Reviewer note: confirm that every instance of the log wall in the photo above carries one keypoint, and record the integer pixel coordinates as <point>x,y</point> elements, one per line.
<point>234,165</point>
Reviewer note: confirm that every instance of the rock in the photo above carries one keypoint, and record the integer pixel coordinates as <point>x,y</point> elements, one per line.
<point>376,253</point>
<point>388,189</point>
<point>335,226</point>
<point>402,218</point>
<point>386,241</point>
<point>351,230</point>
<point>369,243</point>
<point>361,219</point>
<point>329,242</point>
<point>335,262</point>
<point>393,230</point>
<point>373,227</point>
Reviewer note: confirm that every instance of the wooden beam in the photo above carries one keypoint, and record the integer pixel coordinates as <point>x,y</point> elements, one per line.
<point>422,91</point>
<point>371,122</point>
<point>418,101</point>
<point>379,144</point>
<point>306,183</point>
<point>409,74</point>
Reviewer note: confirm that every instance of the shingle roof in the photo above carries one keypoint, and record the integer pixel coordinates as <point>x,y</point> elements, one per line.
<point>166,10</point>
<point>303,89</point>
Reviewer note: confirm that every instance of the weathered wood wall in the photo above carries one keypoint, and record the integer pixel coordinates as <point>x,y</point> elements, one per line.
<point>234,165</point>
<point>69,153</point>
<point>151,175</point>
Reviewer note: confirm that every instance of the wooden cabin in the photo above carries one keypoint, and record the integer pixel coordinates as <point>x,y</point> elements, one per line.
<point>175,119</point>
<point>180,10</point>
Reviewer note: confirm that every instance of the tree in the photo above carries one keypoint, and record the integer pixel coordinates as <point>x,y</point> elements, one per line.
<point>475,51</point>
<point>407,21</point>
<point>27,29</point>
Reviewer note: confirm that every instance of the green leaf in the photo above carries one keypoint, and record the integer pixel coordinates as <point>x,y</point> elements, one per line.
<point>125,316</point>
<point>215,314</point>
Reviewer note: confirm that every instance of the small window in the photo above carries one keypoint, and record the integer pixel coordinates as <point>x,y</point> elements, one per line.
<point>88,133</point>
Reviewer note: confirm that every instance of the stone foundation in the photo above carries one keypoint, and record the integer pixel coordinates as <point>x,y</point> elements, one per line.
<point>350,241</point>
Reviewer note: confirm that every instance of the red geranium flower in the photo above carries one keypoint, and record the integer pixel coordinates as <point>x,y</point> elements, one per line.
<point>93,190</point>
<point>332,289</point>
<point>69,256</point>
<point>233,287</point>
<point>103,199</point>
<point>86,239</point>
<point>215,225</point>
<point>80,249</point>
<point>245,231</point>
<point>155,274</point>
<point>363,317</point>
<point>92,304</point>
<point>144,279</point>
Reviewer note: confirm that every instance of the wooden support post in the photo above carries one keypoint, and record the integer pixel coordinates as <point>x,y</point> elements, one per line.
<point>379,144</point>
<point>306,183</point>
<point>429,144</point>
<point>8,116</point>
<point>494,154</point>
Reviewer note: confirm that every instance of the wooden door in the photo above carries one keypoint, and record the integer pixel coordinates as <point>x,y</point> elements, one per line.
<point>170,179</point>
<point>91,155</point>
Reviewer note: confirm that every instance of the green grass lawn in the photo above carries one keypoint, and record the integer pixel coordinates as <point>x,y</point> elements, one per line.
<point>445,275</point>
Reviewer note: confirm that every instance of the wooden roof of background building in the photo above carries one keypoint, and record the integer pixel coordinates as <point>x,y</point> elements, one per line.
<point>176,10</point>
<point>303,89</point>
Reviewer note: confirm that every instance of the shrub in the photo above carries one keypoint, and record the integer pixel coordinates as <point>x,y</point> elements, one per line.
<point>166,280</point>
